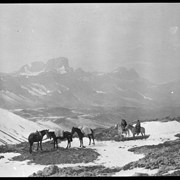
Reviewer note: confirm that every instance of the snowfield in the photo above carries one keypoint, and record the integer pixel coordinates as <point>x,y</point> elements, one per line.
<point>112,154</point>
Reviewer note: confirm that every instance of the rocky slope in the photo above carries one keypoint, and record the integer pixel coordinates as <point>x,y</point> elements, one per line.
<point>78,171</point>
<point>56,84</point>
<point>164,157</point>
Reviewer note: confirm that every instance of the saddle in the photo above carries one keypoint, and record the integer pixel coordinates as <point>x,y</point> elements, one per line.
<point>59,133</point>
<point>38,133</point>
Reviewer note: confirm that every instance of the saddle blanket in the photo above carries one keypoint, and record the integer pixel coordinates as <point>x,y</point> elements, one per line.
<point>59,132</point>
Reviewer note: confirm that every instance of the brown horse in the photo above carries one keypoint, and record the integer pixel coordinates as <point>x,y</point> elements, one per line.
<point>60,134</point>
<point>37,137</point>
<point>134,132</point>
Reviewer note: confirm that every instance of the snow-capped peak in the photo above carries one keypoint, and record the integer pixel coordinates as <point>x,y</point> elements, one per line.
<point>32,69</point>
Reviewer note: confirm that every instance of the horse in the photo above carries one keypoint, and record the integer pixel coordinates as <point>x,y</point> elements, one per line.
<point>122,131</point>
<point>133,130</point>
<point>36,137</point>
<point>60,134</point>
<point>83,131</point>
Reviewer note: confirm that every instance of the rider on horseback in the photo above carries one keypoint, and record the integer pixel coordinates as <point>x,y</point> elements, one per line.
<point>138,127</point>
<point>123,124</point>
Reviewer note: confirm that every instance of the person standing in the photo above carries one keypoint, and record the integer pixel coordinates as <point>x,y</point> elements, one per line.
<point>123,124</point>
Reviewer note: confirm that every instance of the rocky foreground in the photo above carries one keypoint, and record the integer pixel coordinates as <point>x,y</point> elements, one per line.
<point>49,155</point>
<point>93,171</point>
<point>164,156</point>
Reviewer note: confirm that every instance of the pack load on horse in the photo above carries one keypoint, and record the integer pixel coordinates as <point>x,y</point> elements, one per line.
<point>83,131</point>
<point>61,135</point>
<point>122,128</point>
<point>123,124</point>
<point>37,137</point>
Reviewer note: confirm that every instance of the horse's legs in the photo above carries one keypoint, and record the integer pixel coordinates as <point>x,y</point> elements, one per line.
<point>89,136</point>
<point>133,135</point>
<point>67,144</point>
<point>38,146</point>
<point>41,145</point>
<point>127,132</point>
<point>56,143</point>
<point>82,143</point>
<point>93,138</point>
<point>30,147</point>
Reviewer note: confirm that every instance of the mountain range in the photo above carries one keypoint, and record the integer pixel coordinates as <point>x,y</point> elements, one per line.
<point>56,84</point>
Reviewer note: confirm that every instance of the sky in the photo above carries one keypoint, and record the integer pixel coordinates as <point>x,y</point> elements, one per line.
<point>94,36</point>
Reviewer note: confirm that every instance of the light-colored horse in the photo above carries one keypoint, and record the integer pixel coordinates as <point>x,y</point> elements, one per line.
<point>133,130</point>
<point>121,131</point>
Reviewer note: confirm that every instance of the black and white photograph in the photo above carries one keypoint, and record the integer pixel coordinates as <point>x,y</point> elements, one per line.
<point>89,89</point>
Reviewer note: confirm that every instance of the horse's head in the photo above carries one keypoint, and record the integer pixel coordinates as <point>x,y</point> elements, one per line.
<point>47,132</point>
<point>73,130</point>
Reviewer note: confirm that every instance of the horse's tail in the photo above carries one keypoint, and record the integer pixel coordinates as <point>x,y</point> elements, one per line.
<point>30,143</point>
<point>29,138</point>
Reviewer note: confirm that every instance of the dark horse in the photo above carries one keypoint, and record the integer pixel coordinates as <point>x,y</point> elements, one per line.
<point>36,137</point>
<point>82,132</point>
<point>60,134</point>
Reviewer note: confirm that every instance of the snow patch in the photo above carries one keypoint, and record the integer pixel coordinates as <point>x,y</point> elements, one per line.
<point>59,92</point>
<point>37,89</point>
<point>145,97</point>
<point>65,87</point>
<point>29,73</point>
<point>100,92</point>
<point>61,70</point>
<point>16,168</point>
<point>100,74</point>
<point>119,89</point>
<point>132,172</point>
